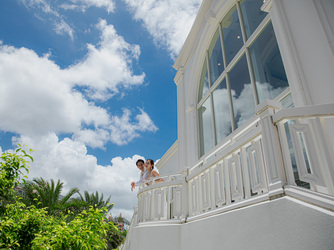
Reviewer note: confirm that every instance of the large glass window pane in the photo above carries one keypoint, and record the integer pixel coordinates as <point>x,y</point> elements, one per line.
<point>205,127</point>
<point>242,93</point>
<point>216,58</point>
<point>252,14</point>
<point>231,34</point>
<point>204,82</point>
<point>268,67</point>
<point>222,111</point>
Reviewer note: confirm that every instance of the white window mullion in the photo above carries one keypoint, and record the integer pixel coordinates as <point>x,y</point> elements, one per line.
<point>227,79</point>
<point>248,58</point>
<point>211,100</point>
<point>213,120</point>
<point>230,102</point>
<point>208,68</point>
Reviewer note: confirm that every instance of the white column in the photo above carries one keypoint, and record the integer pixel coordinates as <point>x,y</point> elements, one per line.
<point>271,147</point>
<point>305,40</point>
<point>181,122</point>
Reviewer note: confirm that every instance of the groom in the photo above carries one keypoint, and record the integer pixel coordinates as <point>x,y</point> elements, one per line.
<point>143,174</point>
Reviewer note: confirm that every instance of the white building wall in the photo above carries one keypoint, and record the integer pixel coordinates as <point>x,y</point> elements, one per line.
<point>162,237</point>
<point>281,224</point>
<point>168,164</point>
<point>306,47</point>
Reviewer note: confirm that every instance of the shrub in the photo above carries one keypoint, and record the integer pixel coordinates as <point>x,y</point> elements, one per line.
<point>19,225</point>
<point>11,168</point>
<point>24,227</point>
<point>88,230</point>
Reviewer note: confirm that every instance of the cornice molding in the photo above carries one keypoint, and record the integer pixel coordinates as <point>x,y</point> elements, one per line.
<point>178,79</point>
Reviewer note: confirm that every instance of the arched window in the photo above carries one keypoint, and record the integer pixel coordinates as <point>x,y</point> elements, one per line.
<point>243,66</point>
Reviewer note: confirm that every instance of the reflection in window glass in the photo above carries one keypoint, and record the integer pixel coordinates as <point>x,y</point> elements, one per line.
<point>287,102</point>
<point>268,67</point>
<point>216,58</point>
<point>252,14</point>
<point>231,34</point>
<point>204,82</point>
<point>242,93</point>
<point>205,127</point>
<point>222,111</point>
<point>217,119</point>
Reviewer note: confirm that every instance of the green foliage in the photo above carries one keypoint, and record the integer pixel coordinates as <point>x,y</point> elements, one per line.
<point>87,231</point>
<point>95,200</point>
<point>31,228</point>
<point>47,195</point>
<point>118,220</point>
<point>11,168</point>
<point>115,237</point>
<point>19,225</point>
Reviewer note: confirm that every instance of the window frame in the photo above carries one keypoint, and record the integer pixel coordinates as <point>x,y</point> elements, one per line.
<point>244,50</point>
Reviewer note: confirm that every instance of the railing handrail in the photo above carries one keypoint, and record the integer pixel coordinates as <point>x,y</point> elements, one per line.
<point>304,112</point>
<point>167,183</point>
<point>240,136</point>
<point>237,134</point>
<point>311,143</point>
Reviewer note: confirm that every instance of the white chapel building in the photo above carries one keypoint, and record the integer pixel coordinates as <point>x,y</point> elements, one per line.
<point>253,165</point>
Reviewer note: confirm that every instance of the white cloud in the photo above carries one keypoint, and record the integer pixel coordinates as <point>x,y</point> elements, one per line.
<point>48,6</point>
<point>34,99</point>
<point>123,130</point>
<point>43,5</point>
<point>82,5</point>
<point>112,55</point>
<point>63,28</point>
<point>68,161</point>
<point>37,97</point>
<point>49,10</point>
<point>168,21</point>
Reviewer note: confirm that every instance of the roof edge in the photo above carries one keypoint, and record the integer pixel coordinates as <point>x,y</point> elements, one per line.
<point>188,45</point>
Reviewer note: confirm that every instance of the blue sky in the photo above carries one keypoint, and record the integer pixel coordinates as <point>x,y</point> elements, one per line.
<point>89,85</point>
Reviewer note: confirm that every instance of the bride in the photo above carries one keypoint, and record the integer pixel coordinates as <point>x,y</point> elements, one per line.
<point>151,173</point>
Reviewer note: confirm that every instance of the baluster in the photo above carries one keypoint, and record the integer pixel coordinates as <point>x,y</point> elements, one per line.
<point>227,182</point>
<point>286,153</point>
<point>243,156</point>
<point>213,186</point>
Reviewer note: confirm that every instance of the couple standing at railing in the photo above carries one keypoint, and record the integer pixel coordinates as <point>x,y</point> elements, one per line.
<point>146,173</point>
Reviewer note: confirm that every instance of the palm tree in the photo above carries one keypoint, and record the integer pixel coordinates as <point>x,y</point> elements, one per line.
<point>95,200</point>
<point>47,195</point>
<point>119,221</point>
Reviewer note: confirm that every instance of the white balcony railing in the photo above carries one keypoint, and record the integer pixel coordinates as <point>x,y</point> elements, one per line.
<point>160,201</point>
<point>232,174</point>
<point>306,147</point>
<point>275,151</point>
